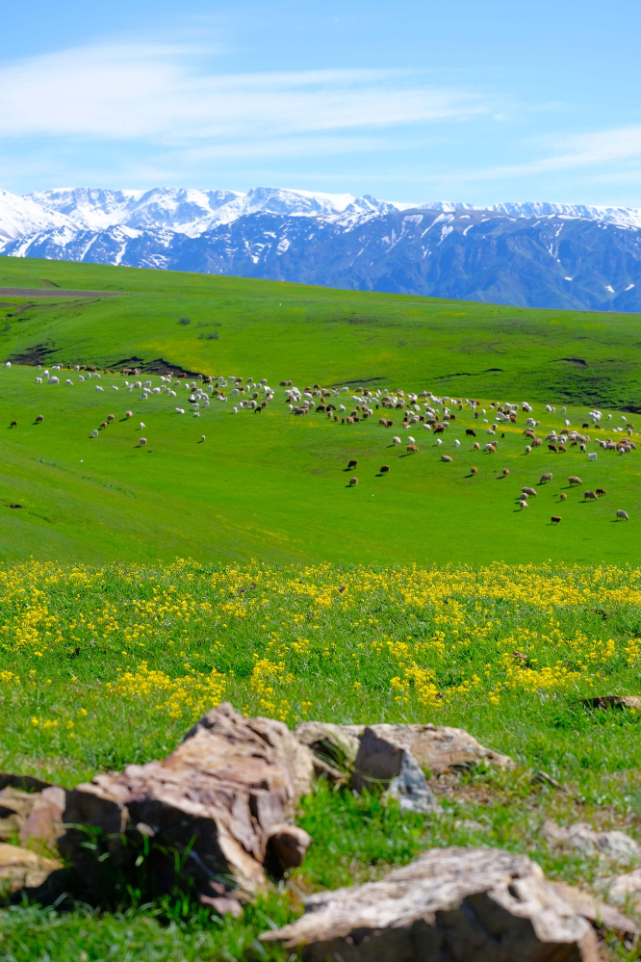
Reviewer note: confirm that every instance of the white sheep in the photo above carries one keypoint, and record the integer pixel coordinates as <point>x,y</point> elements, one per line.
<point>54,380</point>
<point>592,456</point>
<point>94,433</point>
<point>396,440</point>
<point>457,442</point>
<point>180,410</point>
<point>98,388</point>
<point>7,363</point>
<point>114,387</point>
<point>410,439</point>
<point>69,382</point>
<point>142,426</point>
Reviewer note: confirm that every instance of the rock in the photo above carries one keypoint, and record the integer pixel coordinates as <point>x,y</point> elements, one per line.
<point>288,845</point>
<point>613,701</point>
<point>211,805</point>
<point>15,806</point>
<point>334,747</point>
<point>21,868</point>
<point>614,845</point>
<point>435,748</point>
<point>44,822</point>
<point>451,904</point>
<point>599,914</point>
<point>410,788</point>
<point>625,889</point>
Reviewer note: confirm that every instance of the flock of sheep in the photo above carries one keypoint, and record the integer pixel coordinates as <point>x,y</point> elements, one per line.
<point>438,415</point>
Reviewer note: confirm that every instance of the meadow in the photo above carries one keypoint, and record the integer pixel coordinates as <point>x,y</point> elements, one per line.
<point>142,584</point>
<point>104,666</point>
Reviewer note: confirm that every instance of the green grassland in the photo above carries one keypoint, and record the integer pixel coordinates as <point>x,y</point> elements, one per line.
<point>110,648</point>
<point>274,486</point>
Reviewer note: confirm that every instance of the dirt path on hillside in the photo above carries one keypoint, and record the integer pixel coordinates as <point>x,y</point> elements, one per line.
<point>55,292</point>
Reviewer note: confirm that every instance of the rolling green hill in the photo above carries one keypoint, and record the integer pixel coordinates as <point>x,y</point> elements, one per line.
<point>274,486</point>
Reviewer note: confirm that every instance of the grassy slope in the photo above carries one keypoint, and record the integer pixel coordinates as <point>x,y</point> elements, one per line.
<point>273,486</point>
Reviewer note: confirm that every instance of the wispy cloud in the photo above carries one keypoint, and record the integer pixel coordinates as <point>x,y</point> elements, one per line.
<point>169,94</point>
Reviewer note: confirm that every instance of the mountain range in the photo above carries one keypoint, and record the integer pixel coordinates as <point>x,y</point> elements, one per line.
<point>529,254</point>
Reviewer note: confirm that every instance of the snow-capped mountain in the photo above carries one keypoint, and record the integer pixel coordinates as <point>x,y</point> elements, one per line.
<point>530,254</point>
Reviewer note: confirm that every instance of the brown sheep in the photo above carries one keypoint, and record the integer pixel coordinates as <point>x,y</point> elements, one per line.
<point>412,449</point>
<point>553,447</point>
<point>446,457</point>
<point>382,422</point>
<point>474,470</point>
<point>600,491</point>
<point>562,449</point>
<point>556,519</point>
<point>349,420</point>
<point>439,428</point>
<point>39,418</point>
<point>563,496</point>
<point>103,424</point>
<point>589,496</point>
<point>14,424</point>
<point>129,414</point>
<point>546,477</point>
<point>477,446</point>
<point>573,479</point>
<point>110,417</point>
<point>352,464</point>
<point>353,482</point>
<point>506,471</point>
<point>384,469</point>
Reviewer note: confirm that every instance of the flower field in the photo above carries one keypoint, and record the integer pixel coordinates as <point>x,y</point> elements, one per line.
<point>110,665</point>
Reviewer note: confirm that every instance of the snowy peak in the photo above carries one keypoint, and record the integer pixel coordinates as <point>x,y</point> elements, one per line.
<point>22,215</point>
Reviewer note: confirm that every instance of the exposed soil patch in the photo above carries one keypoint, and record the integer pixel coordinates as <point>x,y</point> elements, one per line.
<point>43,292</point>
<point>34,355</point>
<point>358,380</point>
<point>576,361</point>
<point>159,366</point>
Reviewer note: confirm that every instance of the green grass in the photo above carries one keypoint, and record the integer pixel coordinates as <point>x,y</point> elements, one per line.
<point>110,664</point>
<point>102,667</point>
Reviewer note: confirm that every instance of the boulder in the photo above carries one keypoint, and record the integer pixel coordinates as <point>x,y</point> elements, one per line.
<point>453,904</point>
<point>614,845</point>
<point>210,807</point>
<point>613,701</point>
<point>438,749</point>
<point>43,825</point>
<point>625,889</point>
<point>334,747</point>
<point>21,868</point>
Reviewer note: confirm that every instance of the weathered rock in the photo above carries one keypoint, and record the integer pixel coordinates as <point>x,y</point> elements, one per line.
<point>614,845</point>
<point>334,747</point>
<point>43,824</point>
<point>15,806</point>
<point>21,868</point>
<point>288,845</point>
<point>410,787</point>
<point>599,914</point>
<point>439,749</point>
<point>613,701</point>
<point>625,889</point>
<point>450,905</point>
<point>212,804</point>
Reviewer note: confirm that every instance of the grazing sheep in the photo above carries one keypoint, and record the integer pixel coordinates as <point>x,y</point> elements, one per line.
<point>477,446</point>
<point>530,492</point>
<point>142,426</point>
<point>563,496</point>
<point>142,441</point>
<point>94,433</point>
<point>600,491</point>
<point>470,433</point>
<point>589,496</point>
<point>523,504</point>
<point>506,471</point>
<point>490,448</point>
<point>396,440</point>
<point>411,440</point>
<point>353,482</point>
<point>180,410</point>
<point>592,455</point>
<point>474,470</point>
<point>129,414</point>
<point>98,388</point>
<point>556,519</point>
<point>546,477</point>
<point>412,449</point>
<point>352,464</point>
<point>14,424</point>
<point>573,479</point>
<point>622,515</point>
<point>384,469</point>
<point>202,437</point>
<point>446,457</point>
<point>528,449</point>
<point>39,418</point>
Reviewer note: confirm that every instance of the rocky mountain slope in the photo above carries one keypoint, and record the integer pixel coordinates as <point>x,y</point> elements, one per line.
<point>532,254</point>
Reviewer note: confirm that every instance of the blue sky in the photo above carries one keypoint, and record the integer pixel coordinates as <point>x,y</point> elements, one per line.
<point>412,100</point>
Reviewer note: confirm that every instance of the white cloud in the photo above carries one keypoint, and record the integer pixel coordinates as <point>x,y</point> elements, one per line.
<point>166,94</point>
